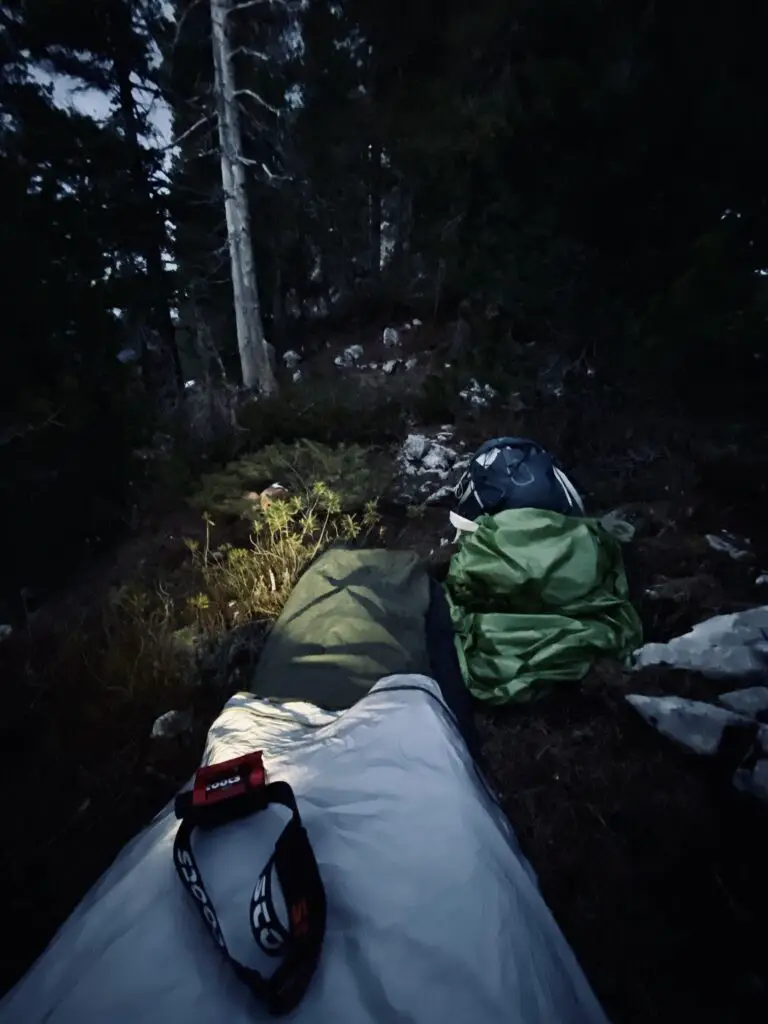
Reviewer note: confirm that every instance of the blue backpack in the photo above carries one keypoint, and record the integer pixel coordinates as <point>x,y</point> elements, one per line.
<point>512,472</point>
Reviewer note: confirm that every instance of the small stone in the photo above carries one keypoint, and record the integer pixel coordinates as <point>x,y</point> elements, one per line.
<point>414,448</point>
<point>416,322</point>
<point>349,357</point>
<point>478,394</point>
<point>296,376</point>
<point>438,460</point>
<point>444,493</point>
<point>753,780</point>
<point>291,359</point>
<point>411,364</point>
<point>5,631</point>
<point>726,646</point>
<point>391,337</point>
<point>691,723</point>
<point>275,492</point>
<point>171,724</point>
<point>391,365</point>
<point>751,702</point>
<point>737,548</point>
<point>752,774</point>
<point>614,523</point>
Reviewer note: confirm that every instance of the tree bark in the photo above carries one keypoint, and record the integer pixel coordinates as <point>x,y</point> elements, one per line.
<point>254,360</point>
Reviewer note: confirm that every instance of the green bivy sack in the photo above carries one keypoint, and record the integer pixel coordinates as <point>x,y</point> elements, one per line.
<point>535,597</point>
<point>355,616</point>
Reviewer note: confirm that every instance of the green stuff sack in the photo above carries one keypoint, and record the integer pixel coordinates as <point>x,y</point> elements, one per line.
<point>535,597</point>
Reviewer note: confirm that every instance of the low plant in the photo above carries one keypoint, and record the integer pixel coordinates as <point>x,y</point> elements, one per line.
<point>254,582</point>
<point>350,473</point>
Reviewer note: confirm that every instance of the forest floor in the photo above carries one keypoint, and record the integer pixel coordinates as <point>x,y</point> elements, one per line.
<point>653,866</point>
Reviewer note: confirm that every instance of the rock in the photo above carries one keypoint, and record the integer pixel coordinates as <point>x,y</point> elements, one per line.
<point>691,723</point>
<point>391,365</point>
<point>438,459</point>
<point>753,780</point>
<point>762,580</point>
<point>349,357</point>
<point>724,647</point>
<point>128,355</point>
<point>291,359</point>
<point>5,631</point>
<point>727,543</point>
<point>614,523</point>
<point>171,725</point>
<point>391,337</point>
<point>750,702</point>
<point>275,492</point>
<point>414,448</point>
<point>416,322</point>
<point>425,465</point>
<point>373,366</point>
<point>442,494</point>
<point>296,376</point>
<point>752,775</point>
<point>478,395</point>
<point>411,364</point>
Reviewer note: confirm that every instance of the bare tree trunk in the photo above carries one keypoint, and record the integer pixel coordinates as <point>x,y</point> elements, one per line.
<point>254,360</point>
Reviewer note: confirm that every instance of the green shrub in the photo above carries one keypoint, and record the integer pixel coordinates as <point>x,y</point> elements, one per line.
<point>147,645</point>
<point>353,474</point>
<point>254,582</point>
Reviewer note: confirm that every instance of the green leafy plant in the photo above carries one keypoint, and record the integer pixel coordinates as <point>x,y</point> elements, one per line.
<point>254,582</point>
<point>351,473</point>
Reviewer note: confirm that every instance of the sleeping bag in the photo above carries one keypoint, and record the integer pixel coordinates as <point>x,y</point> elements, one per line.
<point>429,912</point>
<point>433,915</point>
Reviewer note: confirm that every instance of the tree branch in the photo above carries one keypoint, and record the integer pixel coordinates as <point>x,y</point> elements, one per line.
<point>248,52</point>
<point>271,177</point>
<point>255,96</point>
<point>252,3</point>
<point>180,138</point>
<point>12,433</point>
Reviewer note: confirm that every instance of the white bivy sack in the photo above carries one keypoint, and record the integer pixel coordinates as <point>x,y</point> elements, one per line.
<point>433,914</point>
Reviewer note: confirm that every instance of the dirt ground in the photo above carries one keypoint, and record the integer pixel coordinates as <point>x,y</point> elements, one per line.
<point>655,869</point>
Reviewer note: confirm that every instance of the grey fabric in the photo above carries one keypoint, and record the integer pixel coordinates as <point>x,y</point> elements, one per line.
<point>355,616</point>
<point>434,917</point>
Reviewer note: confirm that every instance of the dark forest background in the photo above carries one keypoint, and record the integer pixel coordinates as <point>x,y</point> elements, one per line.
<point>592,171</point>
